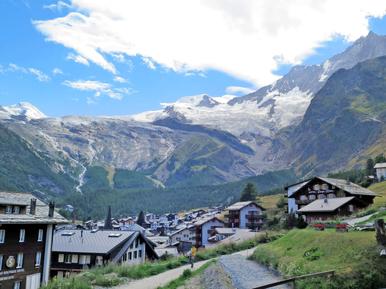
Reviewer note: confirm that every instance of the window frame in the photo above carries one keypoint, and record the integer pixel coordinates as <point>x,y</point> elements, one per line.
<point>60,258</point>
<point>17,284</point>
<point>22,235</point>
<point>2,236</point>
<point>38,261</point>
<point>40,235</point>
<point>20,260</point>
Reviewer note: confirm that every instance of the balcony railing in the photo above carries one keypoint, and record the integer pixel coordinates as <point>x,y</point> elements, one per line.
<point>303,202</point>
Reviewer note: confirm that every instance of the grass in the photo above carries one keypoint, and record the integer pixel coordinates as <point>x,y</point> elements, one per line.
<point>186,275</point>
<point>353,255</point>
<point>380,189</point>
<point>270,201</point>
<point>114,274</point>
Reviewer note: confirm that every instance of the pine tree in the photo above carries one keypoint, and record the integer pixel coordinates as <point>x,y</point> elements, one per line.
<point>370,171</point>
<point>108,225</point>
<point>249,193</point>
<point>141,219</point>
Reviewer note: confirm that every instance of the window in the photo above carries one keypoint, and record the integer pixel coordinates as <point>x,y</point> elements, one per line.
<point>312,197</point>
<point>135,254</point>
<point>20,258</point>
<point>84,259</point>
<point>8,209</point>
<point>16,209</point>
<point>38,258</point>
<point>67,258</point>
<point>99,261</point>
<point>22,235</point>
<point>351,208</point>
<point>74,259</point>
<point>40,235</point>
<point>60,258</point>
<point>130,256</point>
<point>1,262</point>
<point>2,236</point>
<point>16,285</point>
<point>325,187</point>
<point>140,253</point>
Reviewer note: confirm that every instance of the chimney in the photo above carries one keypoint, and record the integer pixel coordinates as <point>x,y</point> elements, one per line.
<point>32,207</point>
<point>51,207</point>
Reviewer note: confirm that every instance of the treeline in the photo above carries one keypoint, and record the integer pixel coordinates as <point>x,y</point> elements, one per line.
<point>364,176</point>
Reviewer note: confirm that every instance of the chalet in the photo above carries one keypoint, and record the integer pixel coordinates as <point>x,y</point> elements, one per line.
<point>76,250</point>
<point>323,209</point>
<point>380,169</point>
<point>205,228</point>
<point>187,234</point>
<point>303,194</point>
<point>26,230</point>
<point>245,215</point>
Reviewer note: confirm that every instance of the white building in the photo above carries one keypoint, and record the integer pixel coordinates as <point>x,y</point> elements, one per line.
<point>380,169</point>
<point>187,234</point>
<point>205,228</point>
<point>245,215</point>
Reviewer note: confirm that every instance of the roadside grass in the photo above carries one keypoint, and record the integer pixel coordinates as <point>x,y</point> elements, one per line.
<point>115,274</point>
<point>186,275</point>
<point>353,255</point>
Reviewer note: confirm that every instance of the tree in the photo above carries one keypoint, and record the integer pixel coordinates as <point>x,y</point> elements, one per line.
<point>281,202</point>
<point>370,171</point>
<point>380,159</point>
<point>141,219</point>
<point>249,193</point>
<point>108,224</point>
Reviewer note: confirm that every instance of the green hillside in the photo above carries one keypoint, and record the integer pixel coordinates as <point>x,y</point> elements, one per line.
<point>98,193</point>
<point>353,255</point>
<point>25,170</point>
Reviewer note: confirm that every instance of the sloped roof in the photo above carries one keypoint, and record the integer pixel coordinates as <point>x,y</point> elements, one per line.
<point>380,165</point>
<point>344,185</point>
<point>206,220</point>
<point>24,199</point>
<point>239,205</point>
<point>325,205</point>
<point>349,187</point>
<point>91,242</point>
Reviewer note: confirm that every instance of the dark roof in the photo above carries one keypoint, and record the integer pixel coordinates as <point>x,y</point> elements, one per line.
<point>24,199</point>
<point>93,242</point>
<point>325,205</point>
<point>344,185</point>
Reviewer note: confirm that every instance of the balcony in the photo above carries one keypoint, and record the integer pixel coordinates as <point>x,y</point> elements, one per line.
<point>303,202</point>
<point>254,217</point>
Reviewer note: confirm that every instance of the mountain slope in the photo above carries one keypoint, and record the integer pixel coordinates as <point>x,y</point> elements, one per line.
<point>23,169</point>
<point>345,118</point>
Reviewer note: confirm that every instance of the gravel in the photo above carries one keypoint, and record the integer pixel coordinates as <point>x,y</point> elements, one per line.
<point>246,274</point>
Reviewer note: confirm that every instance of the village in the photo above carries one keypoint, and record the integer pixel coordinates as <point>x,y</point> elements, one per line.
<point>38,244</point>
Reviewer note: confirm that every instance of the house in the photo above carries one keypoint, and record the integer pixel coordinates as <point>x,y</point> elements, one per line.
<point>323,209</point>
<point>245,215</point>
<point>205,229</point>
<point>26,230</point>
<point>306,192</point>
<point>380,170</point>
<point>76,250</point>
<point>187,234</point>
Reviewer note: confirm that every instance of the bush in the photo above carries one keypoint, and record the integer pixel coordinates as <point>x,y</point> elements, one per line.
<point>187,273</point>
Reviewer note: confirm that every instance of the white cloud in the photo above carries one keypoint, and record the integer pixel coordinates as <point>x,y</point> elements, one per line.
<point>57,71</point>
<point>57,6</point>
<point>38,74</point>
<point>78,59</point>
<point>120,79</point>
<point>238,90</point>
<point>98,88</point>
<point>148,62</point>
<point>247,39</point>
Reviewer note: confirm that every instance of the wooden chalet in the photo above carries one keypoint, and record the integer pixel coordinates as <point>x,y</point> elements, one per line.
<point>323,198</point>
<point>245,215</point>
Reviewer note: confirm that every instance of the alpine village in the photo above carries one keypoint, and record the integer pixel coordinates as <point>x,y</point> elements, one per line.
<point>280,186</point>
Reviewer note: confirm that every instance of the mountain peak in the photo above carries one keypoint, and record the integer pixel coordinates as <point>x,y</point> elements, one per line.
<point>22,110</point>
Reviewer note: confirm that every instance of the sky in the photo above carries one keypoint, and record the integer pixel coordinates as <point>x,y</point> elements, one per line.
<point>118,57</point>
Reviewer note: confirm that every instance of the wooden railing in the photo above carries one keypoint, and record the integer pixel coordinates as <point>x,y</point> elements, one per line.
<point>293,279</point>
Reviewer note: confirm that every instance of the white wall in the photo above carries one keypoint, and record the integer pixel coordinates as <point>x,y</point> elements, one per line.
<point>185,235</point>
<point>292,206</point>
<point>381,172</point>
<point>245,211</point>
<point>207,226</point>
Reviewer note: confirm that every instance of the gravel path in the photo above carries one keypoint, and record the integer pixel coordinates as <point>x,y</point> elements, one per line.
<point>246,274</point>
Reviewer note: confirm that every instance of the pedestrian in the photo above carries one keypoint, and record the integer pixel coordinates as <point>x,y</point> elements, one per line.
<point>191,261</point>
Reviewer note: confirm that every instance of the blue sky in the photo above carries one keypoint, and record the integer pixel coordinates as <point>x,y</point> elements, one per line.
<point>39,71</point>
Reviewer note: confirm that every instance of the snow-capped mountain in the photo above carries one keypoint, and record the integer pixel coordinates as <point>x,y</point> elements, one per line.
<point>22,110</point>
<point>272,107</point>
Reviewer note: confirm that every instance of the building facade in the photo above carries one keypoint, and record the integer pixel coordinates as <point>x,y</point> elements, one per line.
<point>26,230</point>
<point>76,250</point>
<point>303,194</point>
<point>380,170</point>
<point>245,215</point>
<point>205,229</point>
